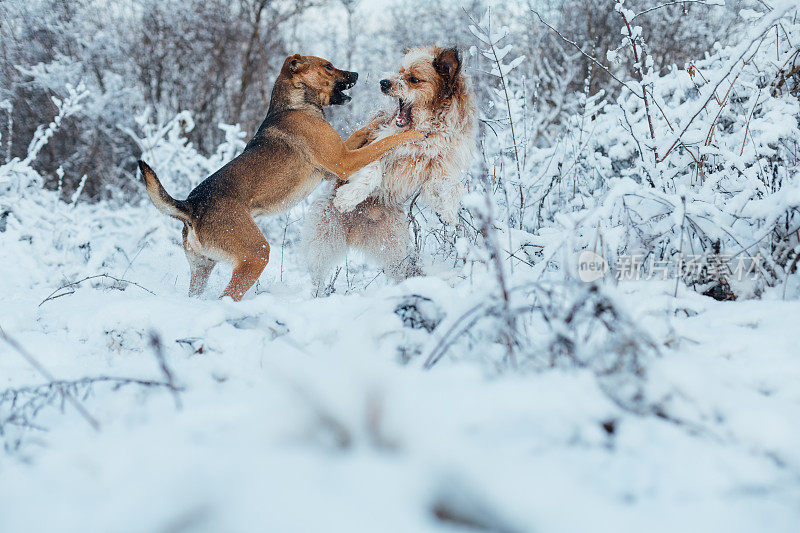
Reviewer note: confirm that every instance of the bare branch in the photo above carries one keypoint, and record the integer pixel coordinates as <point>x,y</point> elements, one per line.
<point>680,2</point>
<point>49,377</point>
<point>586,55</point>
<point>55,294</point>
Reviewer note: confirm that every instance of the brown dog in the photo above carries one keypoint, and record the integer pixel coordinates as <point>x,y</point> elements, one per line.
<point>294,148</point>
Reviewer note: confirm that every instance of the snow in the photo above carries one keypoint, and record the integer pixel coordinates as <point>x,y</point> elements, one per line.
<point>299,413</point>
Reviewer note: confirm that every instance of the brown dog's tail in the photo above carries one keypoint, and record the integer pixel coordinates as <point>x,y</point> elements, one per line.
<point>163,201</point>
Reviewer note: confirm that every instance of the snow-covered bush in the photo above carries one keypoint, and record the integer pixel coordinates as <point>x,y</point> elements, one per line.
<point>701,160</point>
<point>178,163</point>
<point>50,233</point>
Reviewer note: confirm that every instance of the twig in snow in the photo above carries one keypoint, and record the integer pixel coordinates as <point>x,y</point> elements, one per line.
<point>640,73</point>
<point>679,2</point>
<point>55,294</point>
<point>158,351</point>
<point>25,403</point>
<point>78,191</point>
<point>283,242</point>
<point>789,271</point>
<point>450,335</point>
<point>49,377</point>
<point>680,249</point>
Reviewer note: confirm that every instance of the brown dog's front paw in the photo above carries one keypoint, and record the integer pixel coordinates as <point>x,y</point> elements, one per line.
<point>414,135</point>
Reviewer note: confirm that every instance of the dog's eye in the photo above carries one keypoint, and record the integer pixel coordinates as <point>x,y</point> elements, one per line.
<point>412,79</point>
<point>329,66</point>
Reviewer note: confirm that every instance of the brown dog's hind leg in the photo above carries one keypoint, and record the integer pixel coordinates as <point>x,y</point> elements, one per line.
<point>246,245</point>
<point>200,265</point>
<point>244,276</point>
<point>201,268</point>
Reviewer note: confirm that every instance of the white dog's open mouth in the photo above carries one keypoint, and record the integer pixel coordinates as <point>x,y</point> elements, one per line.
<point>403,117</point>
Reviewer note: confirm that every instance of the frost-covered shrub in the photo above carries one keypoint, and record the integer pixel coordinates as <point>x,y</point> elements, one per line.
<point>54,235</point>
<point>179,164</point>
<point>701,160</point>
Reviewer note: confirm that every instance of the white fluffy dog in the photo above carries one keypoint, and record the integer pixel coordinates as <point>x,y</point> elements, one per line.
<point>367,212</point>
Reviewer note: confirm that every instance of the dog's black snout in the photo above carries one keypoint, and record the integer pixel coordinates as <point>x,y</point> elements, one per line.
<point>349,79</point>
<point>385,85</point>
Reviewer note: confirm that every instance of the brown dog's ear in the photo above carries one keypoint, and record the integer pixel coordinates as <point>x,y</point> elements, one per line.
<point>447,64</point>
<point>294,63</point>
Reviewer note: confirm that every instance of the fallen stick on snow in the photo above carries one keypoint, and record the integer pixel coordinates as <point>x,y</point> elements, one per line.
<point>55,294</point>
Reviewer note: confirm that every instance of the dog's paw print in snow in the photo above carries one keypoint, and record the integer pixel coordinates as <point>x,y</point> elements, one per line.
<point>275,328</point>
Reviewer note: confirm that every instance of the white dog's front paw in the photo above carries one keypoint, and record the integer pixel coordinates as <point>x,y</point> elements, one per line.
<point>347,198</point>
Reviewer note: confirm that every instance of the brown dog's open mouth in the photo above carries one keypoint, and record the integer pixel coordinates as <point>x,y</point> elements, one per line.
<point>339,96</point>
<point>403,117</point>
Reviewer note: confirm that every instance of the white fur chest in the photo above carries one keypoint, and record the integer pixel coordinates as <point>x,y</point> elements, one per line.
<point>402,172</point>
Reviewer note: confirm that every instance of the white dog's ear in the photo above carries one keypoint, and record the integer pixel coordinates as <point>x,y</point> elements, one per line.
<point>447,64</point>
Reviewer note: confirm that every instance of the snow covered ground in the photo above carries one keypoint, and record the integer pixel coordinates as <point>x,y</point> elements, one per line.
<point>303,414</point>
